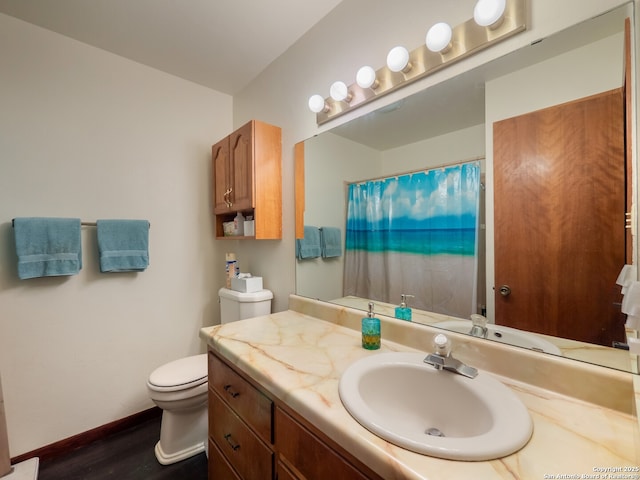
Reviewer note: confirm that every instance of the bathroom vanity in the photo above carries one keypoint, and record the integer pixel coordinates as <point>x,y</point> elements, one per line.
<point>250,434</point>
<point>275,410</point>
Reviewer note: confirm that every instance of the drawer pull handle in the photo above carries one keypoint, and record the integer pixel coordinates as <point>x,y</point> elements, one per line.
<point>234,446</point>
<point>229,390</point>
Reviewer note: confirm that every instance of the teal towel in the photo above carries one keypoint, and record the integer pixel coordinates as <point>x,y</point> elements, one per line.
<point>47,247</point>
<point>123,245</point>
<point>330,242</point>
<point>309,246</point>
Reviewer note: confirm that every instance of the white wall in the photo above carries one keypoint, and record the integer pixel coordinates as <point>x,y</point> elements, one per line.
<point>454,147</point>
<point>355,33</point>
<point>84,133</point>
<point>330,160</point>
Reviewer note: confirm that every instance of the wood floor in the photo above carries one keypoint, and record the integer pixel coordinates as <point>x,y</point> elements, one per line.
<point>127,455</point>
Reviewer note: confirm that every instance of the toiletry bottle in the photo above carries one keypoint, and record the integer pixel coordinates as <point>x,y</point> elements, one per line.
<point>370,330</point>
<point>231,268</point>
<point>402,311</point>
<point>238,224</point>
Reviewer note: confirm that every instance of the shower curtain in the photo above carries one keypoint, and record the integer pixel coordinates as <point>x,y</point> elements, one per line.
<point>416,234</point>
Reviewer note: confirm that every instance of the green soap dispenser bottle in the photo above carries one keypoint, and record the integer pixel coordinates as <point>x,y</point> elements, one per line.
<point>402,311</point>
<point>370,330</point>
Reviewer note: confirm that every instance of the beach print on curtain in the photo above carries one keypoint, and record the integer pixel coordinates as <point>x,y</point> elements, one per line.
<point>416,234</point>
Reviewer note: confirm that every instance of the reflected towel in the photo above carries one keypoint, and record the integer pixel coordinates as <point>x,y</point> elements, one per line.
<point>309,246</point>
<point>330,242</point>
<point>123,245</point>
<point>47,247</point>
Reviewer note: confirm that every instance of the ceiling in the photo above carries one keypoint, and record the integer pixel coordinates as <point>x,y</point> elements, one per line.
<point>221,44</point>
<point>225,44</point>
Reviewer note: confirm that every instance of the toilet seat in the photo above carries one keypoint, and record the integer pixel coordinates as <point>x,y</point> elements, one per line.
<point>180,374</point>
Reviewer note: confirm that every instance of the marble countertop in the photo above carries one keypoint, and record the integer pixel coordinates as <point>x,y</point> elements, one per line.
<point>299,359</point>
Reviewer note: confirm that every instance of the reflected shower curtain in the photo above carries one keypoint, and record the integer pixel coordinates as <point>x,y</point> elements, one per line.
<point>416,234</point>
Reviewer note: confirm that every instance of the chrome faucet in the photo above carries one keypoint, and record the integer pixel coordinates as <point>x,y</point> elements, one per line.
<point>479,328</point>
<point>442,359</point>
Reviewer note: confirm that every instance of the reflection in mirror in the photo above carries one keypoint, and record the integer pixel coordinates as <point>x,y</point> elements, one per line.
<point>452,123</point>
<point>415,234</point>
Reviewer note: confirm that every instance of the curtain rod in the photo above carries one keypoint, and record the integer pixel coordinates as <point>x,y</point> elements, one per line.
<point>435,167</point>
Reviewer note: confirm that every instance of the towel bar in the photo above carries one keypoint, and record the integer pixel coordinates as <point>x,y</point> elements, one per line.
<point>84,224</point>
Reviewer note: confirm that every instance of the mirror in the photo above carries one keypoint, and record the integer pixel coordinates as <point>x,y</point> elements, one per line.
<point>447,124</point>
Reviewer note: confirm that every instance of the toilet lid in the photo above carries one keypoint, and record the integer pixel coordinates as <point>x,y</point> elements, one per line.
<point>180,374</point>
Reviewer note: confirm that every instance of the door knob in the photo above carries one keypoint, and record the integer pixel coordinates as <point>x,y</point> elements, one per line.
<point>505,290</point>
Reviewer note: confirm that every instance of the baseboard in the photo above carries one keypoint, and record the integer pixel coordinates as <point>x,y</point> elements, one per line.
<point>85,438</point>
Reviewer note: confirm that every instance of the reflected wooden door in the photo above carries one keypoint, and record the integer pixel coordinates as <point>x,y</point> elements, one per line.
<point>559,219</point>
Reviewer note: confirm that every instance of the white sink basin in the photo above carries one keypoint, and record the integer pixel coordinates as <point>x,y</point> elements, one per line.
<point>503,334</point>
<point>409,403</point>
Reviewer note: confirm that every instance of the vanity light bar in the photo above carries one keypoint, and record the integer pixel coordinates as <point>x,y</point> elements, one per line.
<point>467,39</point>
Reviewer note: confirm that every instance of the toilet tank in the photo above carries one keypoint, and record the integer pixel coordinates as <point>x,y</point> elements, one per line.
<point>240,305</point>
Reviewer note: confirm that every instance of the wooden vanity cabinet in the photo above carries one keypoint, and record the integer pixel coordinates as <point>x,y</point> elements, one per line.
<point>253,437</point>
<point>240,424</point>
<point>219,468</point>
<point>247,178</point>
<point>302,455</point>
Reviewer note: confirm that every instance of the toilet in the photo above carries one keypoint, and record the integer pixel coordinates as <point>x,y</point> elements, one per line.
<point>179,387</point>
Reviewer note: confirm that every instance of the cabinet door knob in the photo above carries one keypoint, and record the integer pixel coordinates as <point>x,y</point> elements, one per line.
<point>226,197</point>
<point>234,446</point>
<point>229,390</point>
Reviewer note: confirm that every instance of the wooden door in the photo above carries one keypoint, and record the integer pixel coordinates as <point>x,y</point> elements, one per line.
<point>241,144</point>
<point>559,219</point>
<point>221,178</point>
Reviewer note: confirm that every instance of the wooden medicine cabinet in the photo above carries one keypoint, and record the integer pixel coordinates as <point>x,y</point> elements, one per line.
<point>247,178</point>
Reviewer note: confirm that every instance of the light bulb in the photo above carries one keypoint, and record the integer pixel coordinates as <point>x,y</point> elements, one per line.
<point>488,12</point>
<point>317,104</point>
<point>439,37</point>
<point>398,59</point>
<point>366,77</point>
<point>339,92</point>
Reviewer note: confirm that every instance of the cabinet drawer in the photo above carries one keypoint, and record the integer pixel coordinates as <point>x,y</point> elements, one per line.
<point>255,408</point>
<point>312,458</point>
<point>284,473</point>
<point>219,468</point>
<point>248,455</point>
